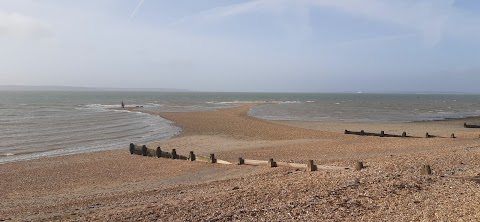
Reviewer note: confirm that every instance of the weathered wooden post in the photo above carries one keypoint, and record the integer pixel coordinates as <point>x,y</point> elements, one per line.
<point>241,161</point>
<point>362,132</point>
<point>427,135</point>
<point>272,163</point>
<point>174,154</point>
<point>310,166</point>
<point>159,152</point>
<point>144,150</point>
<point>426,170</point>
<point>452,136</point>
<point>132,148</point>
<point>404,134</point>
<point>192,156</point>
<point>382,133</point>
<point>359,165</point>
<point>212,158</point>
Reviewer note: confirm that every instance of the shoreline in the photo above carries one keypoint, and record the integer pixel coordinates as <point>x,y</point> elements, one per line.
<point>316,125</point>
<point>117,186</point>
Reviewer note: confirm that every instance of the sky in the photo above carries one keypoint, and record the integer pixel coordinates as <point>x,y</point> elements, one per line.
<point>243,45</point>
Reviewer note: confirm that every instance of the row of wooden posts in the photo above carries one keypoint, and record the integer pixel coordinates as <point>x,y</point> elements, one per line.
<point>404,134</point>
<point>383,134</point>
<point>310,166</point>
<point>159,153</point>
<point>145,151</point>
<point>465,125</point>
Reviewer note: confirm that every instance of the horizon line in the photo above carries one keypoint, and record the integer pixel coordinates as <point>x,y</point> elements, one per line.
<point>140,89</point>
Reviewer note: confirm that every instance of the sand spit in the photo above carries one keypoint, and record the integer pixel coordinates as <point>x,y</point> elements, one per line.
<point>117,186</point>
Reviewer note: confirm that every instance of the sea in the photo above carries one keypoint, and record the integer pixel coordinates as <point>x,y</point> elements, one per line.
<point>37,124</point>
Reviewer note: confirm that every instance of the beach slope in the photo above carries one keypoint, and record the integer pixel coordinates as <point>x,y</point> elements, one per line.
<point>117,186</point>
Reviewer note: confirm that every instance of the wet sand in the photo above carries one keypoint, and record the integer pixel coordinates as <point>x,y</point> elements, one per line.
<point>117,186</point>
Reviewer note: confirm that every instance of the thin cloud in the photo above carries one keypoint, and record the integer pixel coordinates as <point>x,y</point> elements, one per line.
<point>134,12</point>
<point>430,19</point>
<point>18,25</point>
<point>216,13</point>
<point>298,11</point>
<point>372,40</point>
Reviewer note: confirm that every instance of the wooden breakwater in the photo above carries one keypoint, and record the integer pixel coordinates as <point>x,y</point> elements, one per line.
<point>143,150</point>
<point>309,166</point>
<point>381,134</point>
<point>158,152</point>
<point>403,135</point>
<point>465,125</point>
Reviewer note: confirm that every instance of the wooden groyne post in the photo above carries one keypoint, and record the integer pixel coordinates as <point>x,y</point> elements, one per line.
<point>426,170</point>
<point>311,167</point>
<point>132,148</point>
<point>192,156</point>
<point>174,154</point>
<point>359,165</point>
<point>158,152</point>
<point>141,150</point>
<point>272,163</point>
<point>241,161</point>
<point>212,158</point>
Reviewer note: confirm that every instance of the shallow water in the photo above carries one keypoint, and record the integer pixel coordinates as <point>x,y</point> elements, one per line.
<point>372,108</point>
<point>40,124</point>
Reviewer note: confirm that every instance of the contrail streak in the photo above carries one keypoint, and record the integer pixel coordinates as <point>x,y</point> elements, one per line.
<point>140,3</point>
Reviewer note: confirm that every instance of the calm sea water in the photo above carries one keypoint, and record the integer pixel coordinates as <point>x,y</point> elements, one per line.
<point>40,124</point>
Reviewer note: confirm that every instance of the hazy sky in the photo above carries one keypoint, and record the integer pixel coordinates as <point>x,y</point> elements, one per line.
<point>256,45</point>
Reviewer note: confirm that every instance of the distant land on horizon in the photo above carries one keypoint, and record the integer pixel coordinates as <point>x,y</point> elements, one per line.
<point>78,88</point>
<point>86,89</point>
